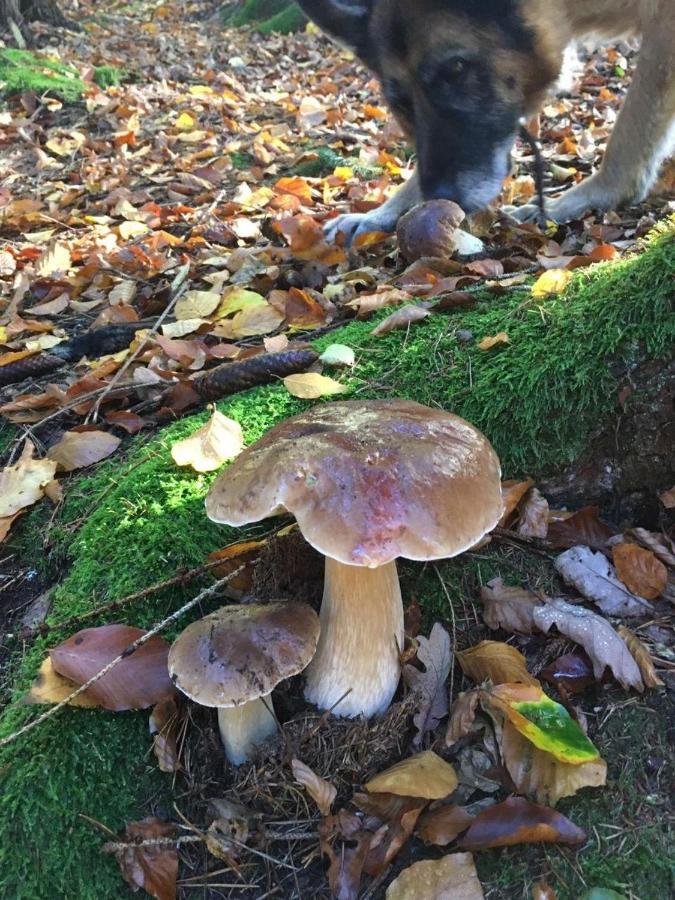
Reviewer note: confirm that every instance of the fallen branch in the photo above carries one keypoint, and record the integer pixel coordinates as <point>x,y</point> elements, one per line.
<point>202,595</point>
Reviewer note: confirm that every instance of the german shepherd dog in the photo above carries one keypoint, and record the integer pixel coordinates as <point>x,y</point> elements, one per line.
<point>461,75</point>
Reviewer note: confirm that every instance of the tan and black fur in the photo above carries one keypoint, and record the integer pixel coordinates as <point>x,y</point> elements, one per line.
<point>460,75</point>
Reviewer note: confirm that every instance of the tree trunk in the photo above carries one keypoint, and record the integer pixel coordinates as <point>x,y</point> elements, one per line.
<point>16,14</point>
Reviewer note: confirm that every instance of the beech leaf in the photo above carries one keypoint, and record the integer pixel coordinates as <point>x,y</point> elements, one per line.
<point>512,493</point>
<point>402,318</point>
<point>553,281</point>
<point>592,575</point>
<point>23,484</point>
<point>338,355</point>
<point>442,825</point>
<point>533,521</point>
<point>50,687</point>
<point>462,717</point>
<point>510,608</point>
<point>165,723</point>
<point>500,663</point>
<point>640,570</point>
<point>207,449</point>
<point>453,876</point>
<point>195,305</point>
<point>78,449</point>
<point>423,775</point>
<point>321,791</point>
<point>153,867</point>
<point>517,821</point>
<point>311,386</point>
<point>494,340</point>
<point>582,527</point>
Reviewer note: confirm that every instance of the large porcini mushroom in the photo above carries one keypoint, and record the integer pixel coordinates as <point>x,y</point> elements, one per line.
<point>432,229</point>
<point>234,658</point>
<point>367,482</point>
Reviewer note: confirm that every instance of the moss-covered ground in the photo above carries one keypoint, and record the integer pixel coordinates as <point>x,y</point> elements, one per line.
<point>23,70</point>
<point>136,521</point>
<point>268,16</point>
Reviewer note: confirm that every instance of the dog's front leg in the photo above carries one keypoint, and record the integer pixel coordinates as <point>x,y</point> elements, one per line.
<point>384,218</point>
<point>641,139</point>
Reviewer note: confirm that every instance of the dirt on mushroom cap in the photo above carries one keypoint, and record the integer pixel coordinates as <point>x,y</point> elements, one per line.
<point>368,481</point>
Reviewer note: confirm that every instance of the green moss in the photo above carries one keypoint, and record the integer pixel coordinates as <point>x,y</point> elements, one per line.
<point>268,16</point>
<point>327,160</point>
<point>284,22</point>
<point>129,525</point>
<point>23,70</point>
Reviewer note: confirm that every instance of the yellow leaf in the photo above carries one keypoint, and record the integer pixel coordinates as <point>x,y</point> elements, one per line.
<point>196,304</point>
<point>179,329</point>
<point>237,299</point>
<point>500,663</point>
<point>261,318</point>
<point>200,89</point>
<point>453,876</point>
<point>311,385</point>
<point>208,448</point>
<point>185,121</point>
<point>50,687</point>
<point>554,281</point>
<point>493,340</point>
<point>423,775</point>
<point>3,334</point>
<point>42,342</point>
<point>23,484</point>
<point>132,229</point>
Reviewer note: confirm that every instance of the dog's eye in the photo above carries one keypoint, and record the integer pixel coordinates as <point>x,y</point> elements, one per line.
<point>453,69</point>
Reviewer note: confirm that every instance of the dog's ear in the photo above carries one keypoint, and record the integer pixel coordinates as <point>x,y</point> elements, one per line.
<point>346,20</point>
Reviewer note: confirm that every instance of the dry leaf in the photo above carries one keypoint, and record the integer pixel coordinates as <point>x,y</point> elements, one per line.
<point>442,825</point>
<point>338,355</point>
<point>512,493</point>
<point>642,657</point>
<point>232,557</point>
<point>494,340</point>
<point>453,877</point>
<point>553,281</point>
<point>345,843</point>
<point>153,867</point>
<point>640,570</point>
<point>582,527</point>
<point>431,696</point>
<point>6,523</point>
<point>54,259</point>
<point>321,791</point>
<point>165,723</point>
<point>23,484</point>
<point>196,304</point>
<point>668,498</point>
<point>367,304</point>
<point>533,520</point>
<point>78,449</point>
<point>510,608</point>
<point>595,635</point>
<point>592,575</point>
<point>462,717</point>
<point>517,821</point>
<point>255,320</point>
<point>207,449</point>
<point>402,318</point>
<point>495,661</point>
<point>543,891</point>
<point>423,775</point>
<point>392,835</point>
<point>50,687</point>
<point>311,386</point>
<point>139,680</point>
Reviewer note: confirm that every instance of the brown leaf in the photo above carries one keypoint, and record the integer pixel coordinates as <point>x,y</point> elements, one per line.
<point>512,493</point>
<point>367,304</point>
<point>543,891</point>
<point>517,821</point>
<point>583,527</point>
<point>50,687</point>
<point>154,867</point>
<point>640,570</point>
<point>256,320</point>
<point>6,523</point>
<point>131,422</point>
<point>345,842</point>
<point>533,520</point>
<point>642,657</point>
<point>510,608</point>
<point>595,635</point>
<point>321,791</point>
<point>207,449</point>
<point>462,717</point>
<point>139,680</point>
<point>78,449</point>
<point>402,318</point>
<point>442,825</point>
<point>423,775</point>
<point>668,498</point>
<point>303,311</point>
<point>500,663</point>
<point>165,723</point>
<point>431,696</point>
<point>393,835</point>
<point>487,268</point>
<point>243,552</point>
<point>453,877</point>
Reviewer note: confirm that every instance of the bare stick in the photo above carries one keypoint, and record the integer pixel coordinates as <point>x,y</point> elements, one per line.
<point>143,639</point>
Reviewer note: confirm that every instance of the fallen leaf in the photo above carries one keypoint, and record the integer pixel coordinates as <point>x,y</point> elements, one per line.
<point>256,320</point>
<point>541,890</point>
<point>668,498</point>
<point>640,570</point>
<point>595,635</point>
<point>423,775</point>
<point>137,681</point>
<point>345,843</point>
<point>54,259</point>
<point>392,835</point>
<point>311,386</point>
<point>431,695</point>
<point>642,657</point>
<point>338,355</point>
<point>582,527</point>
<point>571,673</point>
<point>321,791</point>
<point>6,523</point>
<point>510,608</point>
<point>517,821</point>
<point>494,661</point>
<point>553,281</point>
<point>653,541</point>
<point>462,717</point>
<point>276,344</point>
<point>494,340</point>
<point>207,449</point>
<point>533,519</point>
<point>153,867</point>
<point>165,723</point>
<point>50,687</point>
<point>228,832</point>
<point>402,318</point>
<point>231,558</point>
<point>592,575</point>
<point>442,825</point>
<point>512,493</point>
<point>131,422</point>
<point>78,449</point>
<point>23,484</point>
<point>453,877</point>
<point>237,299</point>
<point>367,304</point>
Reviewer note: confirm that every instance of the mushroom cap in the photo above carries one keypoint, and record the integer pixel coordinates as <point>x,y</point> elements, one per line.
<point>428,229</point>
<point>240,653</point>
<point>368,481</point>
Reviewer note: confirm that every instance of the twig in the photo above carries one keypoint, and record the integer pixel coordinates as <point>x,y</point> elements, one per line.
<point>202,595</point>
<point>120,846</point>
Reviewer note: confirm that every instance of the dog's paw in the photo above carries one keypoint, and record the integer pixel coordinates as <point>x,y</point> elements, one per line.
<point>528,213</point>
<point>570,206</point>
<point>353,224</point>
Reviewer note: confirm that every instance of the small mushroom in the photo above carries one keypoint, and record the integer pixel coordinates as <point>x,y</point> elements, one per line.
<point>367,482</point>
<point>233,659</point>
<point>432,229</point>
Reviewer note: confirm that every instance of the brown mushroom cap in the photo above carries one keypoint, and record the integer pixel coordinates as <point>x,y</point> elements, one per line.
<point>428,229</point>
<point>240,653</point>
<point>368,481</point>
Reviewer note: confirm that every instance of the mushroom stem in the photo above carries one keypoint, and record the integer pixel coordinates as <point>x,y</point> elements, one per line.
<point>361,633</point>
<point>243,728</point>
